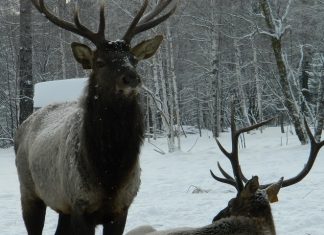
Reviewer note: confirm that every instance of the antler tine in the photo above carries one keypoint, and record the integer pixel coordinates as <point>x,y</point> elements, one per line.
<point>226,181</point>
<point>147,22</point>
<point>150,24</point>
<point>227,176</point>
<point>130,31</point>
<point>102,23</point>
<point>239,177</point>
<point>243,176</point>
<point>94,37</point>
<point>224,173</point>
<point>235,136</point>
<point>220,146</point>
<point>77,27</point>
<point>315,147</point>
<point>255,126</point>
<point>233,157</point>
<point>228,155</point>
<point>80,28</point>
<point>162,4</point>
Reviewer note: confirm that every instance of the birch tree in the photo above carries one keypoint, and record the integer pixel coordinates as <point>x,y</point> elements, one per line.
<point>173,89</point>
<point>276,31</point>
<point>241,92</point>
<point>257,81</point>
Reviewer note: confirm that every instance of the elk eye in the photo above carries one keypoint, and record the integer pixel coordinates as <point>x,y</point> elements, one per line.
<point>100,63</point>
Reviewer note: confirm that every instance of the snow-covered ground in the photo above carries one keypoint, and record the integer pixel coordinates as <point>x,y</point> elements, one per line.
<point>166,200</point>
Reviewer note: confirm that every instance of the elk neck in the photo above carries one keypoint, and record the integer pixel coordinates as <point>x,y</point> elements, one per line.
<point>113,133</point>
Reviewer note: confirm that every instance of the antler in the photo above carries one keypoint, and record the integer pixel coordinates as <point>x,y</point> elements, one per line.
<point>142,23</point>
<point>314,149</point>
<point>77,27</point>
<point>239,178</point>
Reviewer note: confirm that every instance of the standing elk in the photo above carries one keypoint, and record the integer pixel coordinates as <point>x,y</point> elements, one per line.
<point>249,213</point>
<point>82,158</point>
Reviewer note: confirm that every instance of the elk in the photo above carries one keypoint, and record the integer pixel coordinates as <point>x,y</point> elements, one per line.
<point>81,158</point>
<point>249,213</point>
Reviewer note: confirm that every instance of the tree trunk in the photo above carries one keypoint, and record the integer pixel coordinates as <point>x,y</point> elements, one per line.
<point>288,98</point>
<point>241,92</point>
<point>62,33</point>
<point>26,86</point>
<point>257,82</point>
<point>166,116</point>
<point>320,109</point>
<point>216,81</point>
<point>173,87</point>
<point>198,110</point>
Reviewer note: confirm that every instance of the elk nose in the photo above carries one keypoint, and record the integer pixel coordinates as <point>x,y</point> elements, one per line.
<point>131,79</point>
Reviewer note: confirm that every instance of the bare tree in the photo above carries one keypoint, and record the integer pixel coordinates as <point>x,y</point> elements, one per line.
<point>276,31</point>
<point>26,86</point>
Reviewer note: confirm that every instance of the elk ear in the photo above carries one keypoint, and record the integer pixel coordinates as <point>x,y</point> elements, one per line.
<point>147,48</point>
<point>251,187</point>
<point>83,54</point>
<point>273,190</point>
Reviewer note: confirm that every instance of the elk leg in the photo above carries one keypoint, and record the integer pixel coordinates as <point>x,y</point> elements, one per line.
<point>115,226</point>
<point>81,224</point>
<point>63,226</point>
<point>34,211</point>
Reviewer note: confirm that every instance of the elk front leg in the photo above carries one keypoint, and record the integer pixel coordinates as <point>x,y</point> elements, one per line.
<point>81,222</point>
<point>82,225</point>
<point>34,215</point>
<point>115,226</point>
<point>64,225</point>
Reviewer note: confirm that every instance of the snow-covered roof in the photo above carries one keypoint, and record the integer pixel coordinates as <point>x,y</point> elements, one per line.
<point>58,91</point>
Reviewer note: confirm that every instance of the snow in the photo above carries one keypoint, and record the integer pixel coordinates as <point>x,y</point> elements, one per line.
<point>165,199</point>
<point>58,91</point>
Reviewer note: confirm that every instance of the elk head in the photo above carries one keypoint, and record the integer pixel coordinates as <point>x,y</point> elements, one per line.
<point>113,63</point>
<point>253,199</point>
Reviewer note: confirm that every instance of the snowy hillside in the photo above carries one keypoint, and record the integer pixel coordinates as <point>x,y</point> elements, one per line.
<point>166,200</point>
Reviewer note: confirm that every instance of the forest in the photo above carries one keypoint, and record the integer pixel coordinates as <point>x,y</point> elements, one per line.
<point>265,58</point>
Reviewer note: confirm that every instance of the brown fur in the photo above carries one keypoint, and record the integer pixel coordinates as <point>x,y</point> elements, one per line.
<point>249,213</point>
<point>81,158</point>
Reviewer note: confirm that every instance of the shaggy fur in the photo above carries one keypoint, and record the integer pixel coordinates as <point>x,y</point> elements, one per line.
<point>249,213</point>
<point>81,159</point>
<point>227,226</point>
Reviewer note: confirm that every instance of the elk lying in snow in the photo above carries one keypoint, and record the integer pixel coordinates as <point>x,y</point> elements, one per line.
<point>81,158</point>
<point>249,213</point>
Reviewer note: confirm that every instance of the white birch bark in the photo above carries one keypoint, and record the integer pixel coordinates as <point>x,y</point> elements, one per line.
<point>216,81</point>
<point>276,32</point>
<point>175,110</point>
<point>156,94</point>
<point>240,87</point>
<point>257,82</point>
<point>167,120</point>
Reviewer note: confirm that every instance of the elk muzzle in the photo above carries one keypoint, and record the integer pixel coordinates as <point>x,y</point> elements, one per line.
<point>131,79</point>
<point>128,83</point>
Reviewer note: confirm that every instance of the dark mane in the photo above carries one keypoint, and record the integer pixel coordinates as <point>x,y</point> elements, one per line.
<point>113,132</point>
